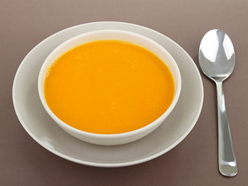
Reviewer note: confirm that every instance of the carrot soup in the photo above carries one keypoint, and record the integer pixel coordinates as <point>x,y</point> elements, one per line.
<point>108,87</point>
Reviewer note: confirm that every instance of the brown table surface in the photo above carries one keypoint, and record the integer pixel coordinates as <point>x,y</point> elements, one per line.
<point>194,161</point>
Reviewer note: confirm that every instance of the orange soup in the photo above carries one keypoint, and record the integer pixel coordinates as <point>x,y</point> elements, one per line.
<point>108,87</point>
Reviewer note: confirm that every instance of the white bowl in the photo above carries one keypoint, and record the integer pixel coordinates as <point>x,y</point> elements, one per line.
<point>111,139</point>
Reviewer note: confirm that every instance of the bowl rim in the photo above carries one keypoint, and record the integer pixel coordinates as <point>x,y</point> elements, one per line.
<point>118,135</point>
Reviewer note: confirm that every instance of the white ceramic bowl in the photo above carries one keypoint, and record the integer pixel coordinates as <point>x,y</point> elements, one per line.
<point>111,139</point>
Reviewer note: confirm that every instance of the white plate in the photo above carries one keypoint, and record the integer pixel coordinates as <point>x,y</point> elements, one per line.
<point>43,130</point>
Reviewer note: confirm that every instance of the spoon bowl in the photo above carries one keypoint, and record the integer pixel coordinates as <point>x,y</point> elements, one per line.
<point>216,55</point>
<point>217,61</point>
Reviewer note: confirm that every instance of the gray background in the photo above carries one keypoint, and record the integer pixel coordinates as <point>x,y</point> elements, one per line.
<point>194,161</point>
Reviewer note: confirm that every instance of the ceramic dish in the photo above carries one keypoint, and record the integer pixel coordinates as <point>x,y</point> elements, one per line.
<point>121,138</point>
<point>43,129</point>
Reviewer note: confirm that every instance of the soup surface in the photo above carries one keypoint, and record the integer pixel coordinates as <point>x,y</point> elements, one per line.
<point>108,87</point>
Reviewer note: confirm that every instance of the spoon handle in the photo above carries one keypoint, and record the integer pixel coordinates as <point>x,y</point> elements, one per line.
<point>227,160</point>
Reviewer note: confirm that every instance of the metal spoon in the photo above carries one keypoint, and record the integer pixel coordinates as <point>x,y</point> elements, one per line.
<point>217,60</point>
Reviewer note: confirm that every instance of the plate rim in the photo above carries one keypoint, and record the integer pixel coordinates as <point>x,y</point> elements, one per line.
<point>123,164</point>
